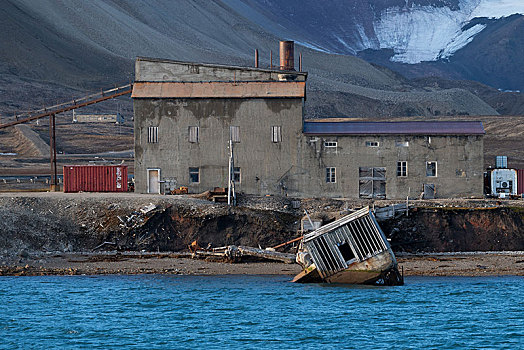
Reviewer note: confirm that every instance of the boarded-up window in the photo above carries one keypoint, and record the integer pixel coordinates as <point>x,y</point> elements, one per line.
<point>194,175</point>
<point>331,175</point>
<point>431,169</point>
<point>236,174</point>
<point>402,168</point>
<point>152,134</point>
<point>193,134</point>
<point>276,134</point>
<point>234,133</point>
<point>372,182</point>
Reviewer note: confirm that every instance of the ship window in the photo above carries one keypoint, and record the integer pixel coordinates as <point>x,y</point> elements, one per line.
<point>346,251</point>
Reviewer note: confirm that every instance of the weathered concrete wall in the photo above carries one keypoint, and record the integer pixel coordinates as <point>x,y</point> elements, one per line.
<point>296,166</point>
<point>459,165</point>
<point>164,70</point>
<point>263,163</point>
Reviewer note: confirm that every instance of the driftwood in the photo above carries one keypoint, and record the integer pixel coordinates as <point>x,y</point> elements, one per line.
<point>267,254</point>
<point>235,254</point>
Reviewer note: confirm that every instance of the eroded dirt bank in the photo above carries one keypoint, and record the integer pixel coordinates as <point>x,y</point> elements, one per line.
<point>36,226</point>
<point>57,222</point>
<point>450,229</point>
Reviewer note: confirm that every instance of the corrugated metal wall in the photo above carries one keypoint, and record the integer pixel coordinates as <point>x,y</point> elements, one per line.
<point>520,181</point>
<point>95,178</point>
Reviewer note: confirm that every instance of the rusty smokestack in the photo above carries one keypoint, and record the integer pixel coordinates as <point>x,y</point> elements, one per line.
<point>256,58</point>
<point>287,55</point>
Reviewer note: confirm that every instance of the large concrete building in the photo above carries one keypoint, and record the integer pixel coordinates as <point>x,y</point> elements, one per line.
<point>186,114</point>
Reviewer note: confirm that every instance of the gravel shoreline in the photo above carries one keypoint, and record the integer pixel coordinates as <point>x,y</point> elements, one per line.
<point>450,264</point>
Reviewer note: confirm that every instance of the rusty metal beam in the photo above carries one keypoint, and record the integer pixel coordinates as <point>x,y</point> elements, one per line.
<point>293,89</point>
<point>288,242</point>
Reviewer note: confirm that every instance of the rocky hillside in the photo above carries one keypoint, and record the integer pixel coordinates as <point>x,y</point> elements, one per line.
<point>55,50</point>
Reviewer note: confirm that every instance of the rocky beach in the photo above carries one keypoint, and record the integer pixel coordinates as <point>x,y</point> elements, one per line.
<point>96,233</point>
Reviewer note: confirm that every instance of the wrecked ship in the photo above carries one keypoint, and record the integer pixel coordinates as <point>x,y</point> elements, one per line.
<point>350,250</point>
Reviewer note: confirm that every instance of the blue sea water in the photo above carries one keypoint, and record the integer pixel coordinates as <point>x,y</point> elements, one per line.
<point>258,312</point>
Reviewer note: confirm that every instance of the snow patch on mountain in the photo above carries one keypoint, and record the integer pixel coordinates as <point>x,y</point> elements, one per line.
<point>427,33</point>
<point>413,34</point>
<point>461,40</point>
<point>498,8</point>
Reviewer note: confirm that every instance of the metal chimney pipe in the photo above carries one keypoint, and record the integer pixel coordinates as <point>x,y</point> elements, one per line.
<point>256,58</point>
<point>287,55</point>
<point>300,62</point>
<point>270,59</point>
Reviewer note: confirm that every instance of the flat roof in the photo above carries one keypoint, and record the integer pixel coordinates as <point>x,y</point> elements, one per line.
<point>216,65</point>
<point>323,127</point>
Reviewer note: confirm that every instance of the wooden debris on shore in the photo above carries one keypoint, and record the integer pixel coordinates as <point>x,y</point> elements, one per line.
<point>391,211</point>
<point>234,253</point>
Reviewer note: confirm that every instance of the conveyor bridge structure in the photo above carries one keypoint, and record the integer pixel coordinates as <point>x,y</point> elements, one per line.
<point>52,111</point>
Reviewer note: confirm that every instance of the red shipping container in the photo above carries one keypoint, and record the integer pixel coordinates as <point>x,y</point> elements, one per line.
<point>520,181</point>
<point>95,178</point>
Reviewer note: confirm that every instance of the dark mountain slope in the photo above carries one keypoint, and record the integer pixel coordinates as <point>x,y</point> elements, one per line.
<point>495,57</point>
<point>65,47</point>
<point>32,48</point>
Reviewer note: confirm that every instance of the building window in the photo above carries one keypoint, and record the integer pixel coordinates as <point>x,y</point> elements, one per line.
<point>331,176</point>
<point>402,143</point>
<point>276,134</point>
<point>193,134</point>
<point>194,175</point>
<point>431,169</point>
<point>330,144</point>
<point>236,174</point>
<point>372,144</point>
<point>372,182</point>
<point>234,133</point>
<point>152,134</point>
<point>402,168</point>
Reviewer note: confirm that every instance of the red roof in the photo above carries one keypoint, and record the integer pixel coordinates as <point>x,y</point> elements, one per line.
<point>394,128</point>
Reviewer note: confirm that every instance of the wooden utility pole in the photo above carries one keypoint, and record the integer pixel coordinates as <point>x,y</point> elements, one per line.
<point>52,152</point>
